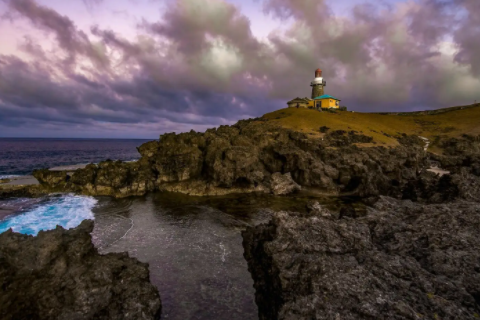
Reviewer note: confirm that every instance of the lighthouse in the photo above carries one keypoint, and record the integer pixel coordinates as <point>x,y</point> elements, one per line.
<point>318,84</point>
<point>320,100</point>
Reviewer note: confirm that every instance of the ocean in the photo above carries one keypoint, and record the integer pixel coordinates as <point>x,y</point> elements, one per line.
<point>193,248</point>
<point>20,156</point>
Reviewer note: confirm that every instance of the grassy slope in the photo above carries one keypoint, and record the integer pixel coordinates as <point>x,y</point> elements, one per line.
<point>449,124</point>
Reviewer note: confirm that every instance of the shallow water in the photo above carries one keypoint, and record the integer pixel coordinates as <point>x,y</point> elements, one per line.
<point>192,244</point>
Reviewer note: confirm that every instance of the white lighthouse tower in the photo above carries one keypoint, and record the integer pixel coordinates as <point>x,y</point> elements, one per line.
<point>318,84</point>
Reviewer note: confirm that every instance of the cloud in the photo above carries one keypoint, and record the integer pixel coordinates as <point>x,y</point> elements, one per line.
<point>199,65</point>
<point>90,4</point>
<point>467,35</point>
<point>73,41</point>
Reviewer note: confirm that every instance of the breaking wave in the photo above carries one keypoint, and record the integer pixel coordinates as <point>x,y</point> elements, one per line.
<point>67,211</point>
<point>8,176</point>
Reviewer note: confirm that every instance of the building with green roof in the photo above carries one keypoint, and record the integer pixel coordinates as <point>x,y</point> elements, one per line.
<point>326,102</point>
<point>319,99</point>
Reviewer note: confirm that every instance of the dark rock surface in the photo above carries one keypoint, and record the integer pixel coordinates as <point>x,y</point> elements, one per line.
<point>22,191</point>
<point>243,157</point>
<point>403,260</point>
<point>461,157</point>
<point>283,184</point>
<point>60,275</point>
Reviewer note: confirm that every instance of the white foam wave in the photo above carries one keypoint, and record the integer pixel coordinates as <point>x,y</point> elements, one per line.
<point>9,176</point>
<point>67,211</point>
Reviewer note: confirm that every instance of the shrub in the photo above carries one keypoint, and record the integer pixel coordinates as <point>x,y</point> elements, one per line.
<point>324,129</point>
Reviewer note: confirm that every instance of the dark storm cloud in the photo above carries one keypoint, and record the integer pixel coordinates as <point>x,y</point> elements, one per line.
<point>467,37</point>
<point>69,38</point>
<point>379,58</point>
<point>201,66</point>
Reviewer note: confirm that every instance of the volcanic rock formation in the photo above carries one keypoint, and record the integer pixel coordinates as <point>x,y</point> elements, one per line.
<point>403,260</point>
<point>59,275</point>
<point>246,157</point>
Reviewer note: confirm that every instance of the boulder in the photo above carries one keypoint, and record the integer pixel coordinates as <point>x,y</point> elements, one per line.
<point>60,275</point>
<point>314,208</point>
<point>283,184</point>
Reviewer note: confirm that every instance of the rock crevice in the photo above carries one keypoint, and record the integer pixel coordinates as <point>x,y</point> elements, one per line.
<point>403,260</point>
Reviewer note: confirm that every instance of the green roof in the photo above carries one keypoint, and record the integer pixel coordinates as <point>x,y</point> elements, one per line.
<point>326,96</point>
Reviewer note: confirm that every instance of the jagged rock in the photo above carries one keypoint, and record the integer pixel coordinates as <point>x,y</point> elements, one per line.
<point>21,191</point>
<point>243,157</point>
<point>348,211</point>
<point>45,176</point>
<point>402,260</point>
<point>60,275</point>
<point>283,184</point>
<point>316,209</point>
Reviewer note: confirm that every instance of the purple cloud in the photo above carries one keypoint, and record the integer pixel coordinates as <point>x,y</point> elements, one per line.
<point>200,65</point>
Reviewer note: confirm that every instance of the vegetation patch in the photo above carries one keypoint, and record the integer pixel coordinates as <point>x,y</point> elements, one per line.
<point>384,129</point>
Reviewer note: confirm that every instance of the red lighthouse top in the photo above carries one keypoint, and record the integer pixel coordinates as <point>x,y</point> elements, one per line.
<point>318,73</point>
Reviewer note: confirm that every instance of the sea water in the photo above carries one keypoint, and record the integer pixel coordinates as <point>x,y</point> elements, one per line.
<point>20,156</point>
<point>193,245</point>
<point>67,211</point>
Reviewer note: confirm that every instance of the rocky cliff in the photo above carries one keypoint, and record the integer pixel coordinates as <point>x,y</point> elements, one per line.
<point>402,260</point>
<point>248,157</point>
<point>60,275</point>
<point>259,156</point>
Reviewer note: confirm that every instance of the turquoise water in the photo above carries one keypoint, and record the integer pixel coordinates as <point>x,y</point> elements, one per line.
<point>67,211</point>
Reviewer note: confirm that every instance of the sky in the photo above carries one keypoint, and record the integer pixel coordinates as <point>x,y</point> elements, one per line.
<point>140,68</point>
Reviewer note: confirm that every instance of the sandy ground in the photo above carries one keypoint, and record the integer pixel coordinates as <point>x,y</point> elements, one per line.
<point>21,181</point>
<point>68,168</point>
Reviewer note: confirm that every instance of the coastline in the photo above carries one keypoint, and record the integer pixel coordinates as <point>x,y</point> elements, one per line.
<point>406,188</point>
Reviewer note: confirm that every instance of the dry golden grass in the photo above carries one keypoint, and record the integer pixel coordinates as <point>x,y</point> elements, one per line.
<point>383,128</point>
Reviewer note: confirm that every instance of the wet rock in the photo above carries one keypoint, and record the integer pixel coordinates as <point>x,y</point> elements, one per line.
<point>60,275</point>
<point>283,184</point>
<point>403,260</point>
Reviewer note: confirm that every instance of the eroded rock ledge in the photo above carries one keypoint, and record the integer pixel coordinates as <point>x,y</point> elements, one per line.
<point>247,157</point>
<point>258,156</point>
<point>60,275</point>
<point>402,260</point>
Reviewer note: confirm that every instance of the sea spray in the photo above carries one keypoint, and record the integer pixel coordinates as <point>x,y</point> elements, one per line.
<point>67,211</point>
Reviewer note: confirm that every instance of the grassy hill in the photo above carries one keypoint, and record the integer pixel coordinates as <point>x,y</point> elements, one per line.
<point>382,127</point>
